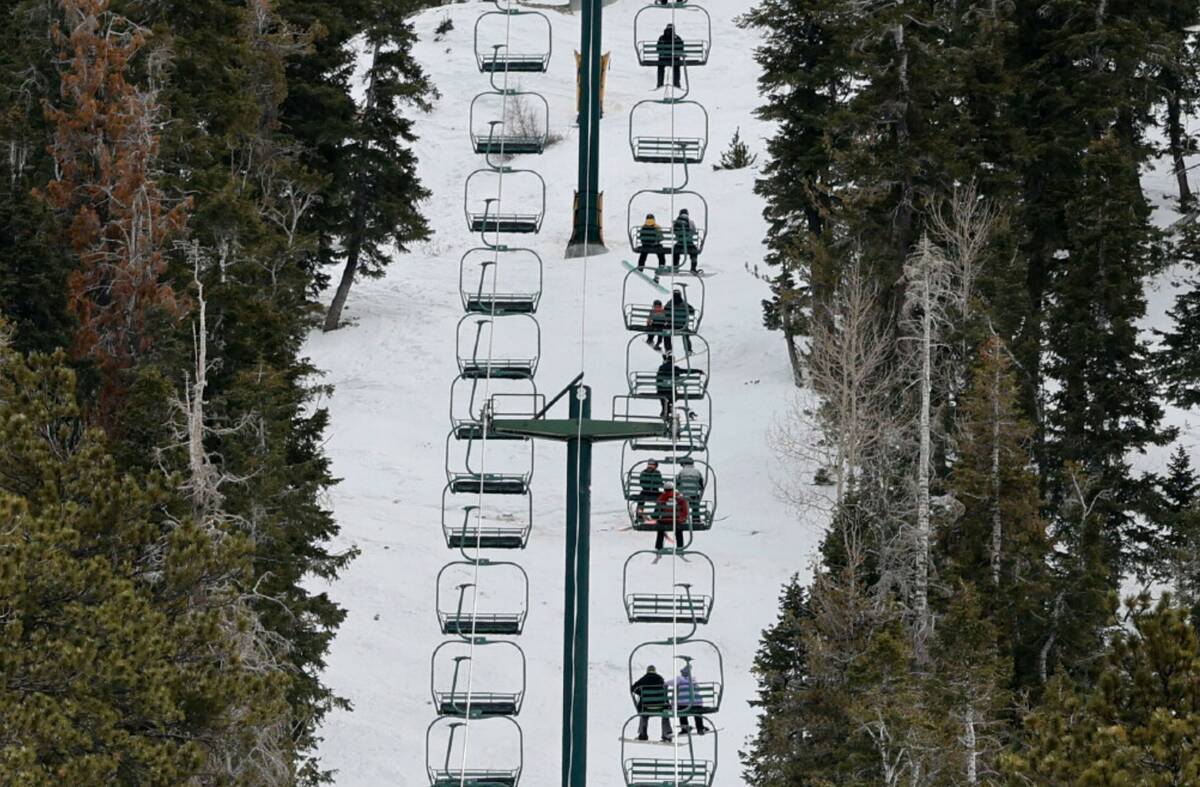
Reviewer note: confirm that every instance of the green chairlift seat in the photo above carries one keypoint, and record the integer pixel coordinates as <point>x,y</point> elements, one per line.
<point>490,483</point>
<point>455,700</point>
<point>498,368</point>
<point>463,620</point>
<point>668,608</point>
<point>691,54</point>
<point>471,534</point>
<point>446,774</point>
<point>504,294</point>
<point>696,46</point>
<point>691,385</point>
<point>498,58</point>
<point>669,150</point>
<point>515,223</point>
<point>655,148</point>
<point>493,218</point>
<point>477,365</point>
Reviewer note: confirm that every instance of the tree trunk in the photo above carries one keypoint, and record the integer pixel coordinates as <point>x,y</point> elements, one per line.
<point>1175,134</point>
<point>333,318</point>
<point>997,523</point>
<point>972,748</point>
<point>924,461</point>
<point>795,360</point>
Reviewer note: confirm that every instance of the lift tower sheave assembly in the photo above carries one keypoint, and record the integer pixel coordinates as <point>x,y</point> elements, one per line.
<point>579,431</point>
<point>586,237</point>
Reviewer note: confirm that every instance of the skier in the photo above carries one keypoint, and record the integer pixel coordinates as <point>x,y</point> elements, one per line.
<point>650,241</point>
<point>684,230</point>
<point>669,49</point>
<point>691,486</point>
<point>650,694</point>
<point>665,381</point>
<point>672,512</point>
<point>657,323</point>
<point>687,698</point>
<point>650,480</point>
<point>681,317</point>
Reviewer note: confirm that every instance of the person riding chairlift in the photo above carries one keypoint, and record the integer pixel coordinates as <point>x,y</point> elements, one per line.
<point>671,510</point>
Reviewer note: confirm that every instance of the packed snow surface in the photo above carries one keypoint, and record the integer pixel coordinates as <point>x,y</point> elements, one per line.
<point>392,370</point>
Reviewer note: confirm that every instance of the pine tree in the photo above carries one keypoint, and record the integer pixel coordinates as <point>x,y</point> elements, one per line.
<point>1178,555</point>
<point>999,545</point>
<point>1178,82</point>
<point>383,188</point>
<point>117,663</point>
<point>1136,724</point>
<point>1104,405</point>
<point>35,258</point>
<point>737,155</point>
<point>803,81</point>
<point>1178,361</point>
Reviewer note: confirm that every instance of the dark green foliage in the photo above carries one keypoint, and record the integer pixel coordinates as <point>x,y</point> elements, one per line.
<point>1178,360</point>
<point>117,661</point>
<point>1139,723</point>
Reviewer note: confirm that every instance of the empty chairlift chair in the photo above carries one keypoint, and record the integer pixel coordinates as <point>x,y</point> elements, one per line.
<point>487,216</point>
<point>466,526</point>
<point>653,140</point>
<point>502,747</point>
<point>505,347</point>
<point>685,603</point>
<point>509,123</point>
<point>500,281</point>
<point>475,401</point>
<point>460,615</point>
<point>465,472</point>
<point>692,23</point>
<point>458,668</point>
<point>494,30</point>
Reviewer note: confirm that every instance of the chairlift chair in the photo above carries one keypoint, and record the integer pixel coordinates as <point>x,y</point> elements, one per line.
<point>493,219</point>
<point>464,477</point>
<point>466,529</point>
<point>652,769</point>
<point>480,364</point>
<point>464,620</point>
<point>509,282</point>
<point>496,57</point>
<point>640,316</point>
<point>691,384</point>
<point>686,604</point>
<point>457,695</point>
<point>690,424</point>
<point>702,502</point>
<point>452,771</point>
<point>498,137</point>
<point>469,410</point>
<point>695,49</point>
<point>664,149</point>
<point>704,695</point>
<point>669,198</point>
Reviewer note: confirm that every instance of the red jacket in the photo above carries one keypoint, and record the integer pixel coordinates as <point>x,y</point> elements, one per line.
<point>672,507</point>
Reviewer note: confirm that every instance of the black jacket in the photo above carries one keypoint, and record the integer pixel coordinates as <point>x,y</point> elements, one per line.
<point>654,689</point>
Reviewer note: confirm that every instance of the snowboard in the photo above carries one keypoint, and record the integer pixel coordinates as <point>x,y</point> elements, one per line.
<point>641,272</point>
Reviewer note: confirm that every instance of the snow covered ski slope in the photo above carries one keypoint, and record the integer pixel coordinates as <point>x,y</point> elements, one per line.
<point>392,370</point>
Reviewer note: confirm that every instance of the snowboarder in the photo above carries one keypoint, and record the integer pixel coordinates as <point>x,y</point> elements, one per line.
<point>669,49</point>
<point>687,698</point>
<point>672,512</point>
<point>665,381</point>
<point>650,480</point>
<point>650,241</point>
<point>684,230</point>
<point>691,486</point>
<point>681,317</point>
<point>650,694</point>
<point>657,322</point>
